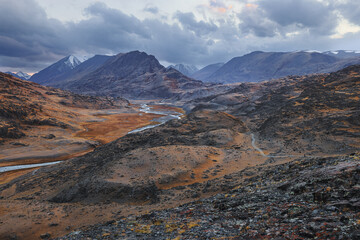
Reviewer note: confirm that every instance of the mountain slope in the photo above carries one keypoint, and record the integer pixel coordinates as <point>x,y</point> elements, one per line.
<point>310,113</point>
<point>24,104</point>
<point>80,70</point>
<point>48,75</point>
<point>204,73</point>
<point>310,198</point>
<point>259,66</point>
<point>134,75</point>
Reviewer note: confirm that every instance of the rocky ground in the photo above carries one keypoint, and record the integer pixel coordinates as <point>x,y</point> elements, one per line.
<point>309,198</point>
<point>41,124</point>
<point>158,168</point>
<point>318,113</point>
<point>24,104</point>
<point>282,157</point>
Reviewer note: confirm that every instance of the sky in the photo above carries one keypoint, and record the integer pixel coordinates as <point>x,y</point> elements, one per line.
<point>36,33</point>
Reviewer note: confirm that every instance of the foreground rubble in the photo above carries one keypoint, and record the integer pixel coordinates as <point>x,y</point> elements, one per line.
<point>304,199</point>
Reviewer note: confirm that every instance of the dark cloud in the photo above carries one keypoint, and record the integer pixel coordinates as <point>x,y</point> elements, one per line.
<point>116,20</point>
<point>13,48</point>
<point>199,27</point>
<point>253,21</point>
<point>309,14</point>
<point>30,40</point>
<point>28,36</point>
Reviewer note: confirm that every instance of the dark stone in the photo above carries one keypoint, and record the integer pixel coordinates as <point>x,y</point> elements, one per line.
<point>355,235</point>
<point>49,136</point>
<point>45,236</point>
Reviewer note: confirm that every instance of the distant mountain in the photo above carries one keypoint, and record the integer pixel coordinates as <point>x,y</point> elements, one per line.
<point>259,66</point>
<point>343,53</point>
<point>21,75</point>
<point>135,75</point>
<point>187,70</point>
<point>207,71</point>
<point>49,74</point>
<point>80,70</point>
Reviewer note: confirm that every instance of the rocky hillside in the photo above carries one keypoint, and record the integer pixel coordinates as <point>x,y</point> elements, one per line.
<point>259,66</point>
<point>303,199</point>
<point>24,104</point>
<point>312,112</point>
<point>119,172</point>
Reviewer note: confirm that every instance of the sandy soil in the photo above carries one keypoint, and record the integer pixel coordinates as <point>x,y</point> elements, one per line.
<point>115,126</point>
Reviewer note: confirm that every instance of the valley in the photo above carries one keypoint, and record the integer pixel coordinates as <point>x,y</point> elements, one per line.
<point>180,156</point>
<point>177,120</point>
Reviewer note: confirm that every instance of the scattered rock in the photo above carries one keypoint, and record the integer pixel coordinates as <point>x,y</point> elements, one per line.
<point>45,236</point>
<point>49,136</point>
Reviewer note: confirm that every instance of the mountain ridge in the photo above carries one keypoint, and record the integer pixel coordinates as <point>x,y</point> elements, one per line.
<point>258,66</point>
<point>133,75</point>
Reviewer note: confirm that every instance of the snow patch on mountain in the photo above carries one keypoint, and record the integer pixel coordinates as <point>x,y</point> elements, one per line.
<point>23,75</point>
<point>185,69</point>
<point>72,62</point>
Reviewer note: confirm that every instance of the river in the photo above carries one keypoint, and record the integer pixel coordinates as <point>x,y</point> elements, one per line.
<point>169,115</point>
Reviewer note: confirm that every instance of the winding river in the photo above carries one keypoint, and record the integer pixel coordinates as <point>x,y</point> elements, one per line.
<point>168,115</point>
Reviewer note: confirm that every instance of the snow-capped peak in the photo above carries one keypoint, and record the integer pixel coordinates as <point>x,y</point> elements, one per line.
<point>72,61</point>
<point>23,75</point>
<point>185,69</point>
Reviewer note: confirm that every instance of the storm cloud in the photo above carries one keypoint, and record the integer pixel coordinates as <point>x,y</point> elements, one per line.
<point>217,31</point>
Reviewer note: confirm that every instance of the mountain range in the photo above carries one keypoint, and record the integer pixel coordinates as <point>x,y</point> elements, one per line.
<point>133,75</point>
<point>137,75</point>
<point>343,53</point>
<point>259,66</point>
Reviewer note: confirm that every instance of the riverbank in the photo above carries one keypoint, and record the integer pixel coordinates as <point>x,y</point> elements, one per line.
<point>103,127</point>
